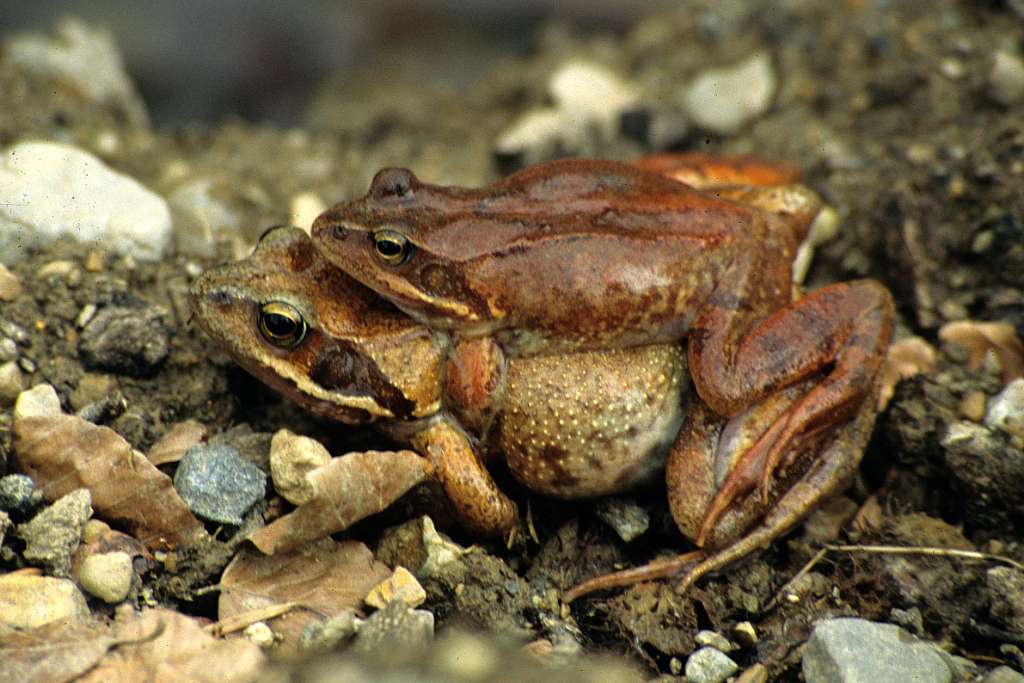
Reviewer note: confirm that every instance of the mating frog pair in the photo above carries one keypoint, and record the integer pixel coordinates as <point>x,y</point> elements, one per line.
<point>553,300</point>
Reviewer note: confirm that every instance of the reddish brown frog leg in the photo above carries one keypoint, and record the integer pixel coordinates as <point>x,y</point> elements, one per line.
<point>480,506</point>
<point>846,326</point>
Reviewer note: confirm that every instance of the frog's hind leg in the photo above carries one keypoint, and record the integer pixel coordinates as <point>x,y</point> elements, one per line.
<point>815,467</point>
<point>838,333</point>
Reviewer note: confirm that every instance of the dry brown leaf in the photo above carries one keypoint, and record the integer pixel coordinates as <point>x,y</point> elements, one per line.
<point>325,577</point>
<point>54,653</point>
<point>345,490</point>
<point>167,647</point>
<point>178,439</point>
<point>981,338</point>
<point>64,452</point>
<point>904,359</point>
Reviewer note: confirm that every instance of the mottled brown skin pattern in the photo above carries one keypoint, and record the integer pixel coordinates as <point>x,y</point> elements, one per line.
<point>582,254</point>
<point>633,425</point>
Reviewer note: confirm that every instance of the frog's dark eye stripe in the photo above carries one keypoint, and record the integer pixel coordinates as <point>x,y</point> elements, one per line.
<point>392,247</point>
<point>281,324</point>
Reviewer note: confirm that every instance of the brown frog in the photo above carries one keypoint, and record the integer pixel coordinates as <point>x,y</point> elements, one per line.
<point>579,424</point>
<point>589,254</point>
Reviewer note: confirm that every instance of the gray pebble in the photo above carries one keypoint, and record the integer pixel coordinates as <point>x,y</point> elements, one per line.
<point>54,534</point>
<point>860,651</point>
<point>129,341</point>
<point>708,665</point>
<point>219,485</point>
<point>395,629</point>
<point>624,516</point>
<point>1003,674</point>
<point>1007,587</point>
<point>18,495</point>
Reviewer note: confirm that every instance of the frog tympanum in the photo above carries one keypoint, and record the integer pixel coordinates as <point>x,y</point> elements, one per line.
<point>786,386</point>
<point>588,254</point>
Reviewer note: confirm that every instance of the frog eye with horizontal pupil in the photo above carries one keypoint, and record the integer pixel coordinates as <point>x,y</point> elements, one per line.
<point>282,325</point>
<point>391,247</point>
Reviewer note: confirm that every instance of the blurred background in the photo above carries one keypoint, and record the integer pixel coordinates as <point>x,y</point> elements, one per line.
<point>263,59</point>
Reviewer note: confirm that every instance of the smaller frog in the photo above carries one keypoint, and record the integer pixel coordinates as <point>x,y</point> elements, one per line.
<point>590,254</point>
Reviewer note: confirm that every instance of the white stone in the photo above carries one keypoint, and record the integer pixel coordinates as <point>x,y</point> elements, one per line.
<point>30,601</point>
<point>304,208</point>
<point>724,100</point>
<point>11,383</point>
<point>200,219</point>
<point>1006,409</point>
<point>39,401</point>
<point>84,57</point>
<point>592,92</point>
<point>292,458</point>
<point>49,190</point>
<point>708,665</point>
<point>1006,80</point>
<point>10,285</point>
<point>107,576</point>
<point>259,634</point>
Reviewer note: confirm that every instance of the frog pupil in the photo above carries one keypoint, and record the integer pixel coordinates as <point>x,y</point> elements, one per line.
<point>279,325</point>
<point>389,248</point>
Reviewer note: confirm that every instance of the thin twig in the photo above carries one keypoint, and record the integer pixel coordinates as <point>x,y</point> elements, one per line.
<point>928,551</point>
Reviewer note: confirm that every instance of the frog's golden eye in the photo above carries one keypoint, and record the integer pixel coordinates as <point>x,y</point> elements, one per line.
<point>281,324</point>
<point>392,247</point>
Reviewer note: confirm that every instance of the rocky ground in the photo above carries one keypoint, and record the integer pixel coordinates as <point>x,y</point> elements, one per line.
<point>908,123</point>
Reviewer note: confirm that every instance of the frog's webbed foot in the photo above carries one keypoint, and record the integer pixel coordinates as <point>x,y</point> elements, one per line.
<point>840,333</point>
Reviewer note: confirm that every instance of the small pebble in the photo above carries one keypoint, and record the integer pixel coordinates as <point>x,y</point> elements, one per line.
<point>708,665</point>
<point>201,219</point>
<point>972,407</point>
<point>92,388</point>
<point>623,516</point>
<point>126,340</point>
<point>61,269</point>
<point>724,100</point>
<point>401,585</point>
<point>715,640</point>
<point>39,401</point>
<point>1006,585</point>
<point>18,495</point>
<point>107,576</point>
<point>331,633</point>
<point>260,635</point>
<point>745,634</point>
<point>29,601</point>
<point>1006,80</point>
<point>758,673</point>
<point>11,383</point>
<point>1006,410</point>
<point>8,350</point>
<point>10,285</point>
<point>850,649</point>
<point>54,534</point>
<point>95,261</point>
<point>416,544</point>
<point>292,458</point>
<point>304,208</point>
<point>397,632</point>
<point>1003,674</point>
<point>219,485</point>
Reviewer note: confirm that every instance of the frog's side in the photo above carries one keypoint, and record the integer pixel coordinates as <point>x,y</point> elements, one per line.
<point>579,254</point>
<point>572,426</point>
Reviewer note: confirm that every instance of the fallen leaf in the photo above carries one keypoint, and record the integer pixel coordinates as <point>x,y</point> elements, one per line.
<point>161,645</point>
<point>904,359</point>
<point>178,439</point>
<point>982,338</point>
<point>324,577</point>
<point>64,452</point>
<point>345,490</point>
<point>53,653</point>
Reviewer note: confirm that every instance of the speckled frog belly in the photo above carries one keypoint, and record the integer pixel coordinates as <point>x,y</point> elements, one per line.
<point>594,427</point>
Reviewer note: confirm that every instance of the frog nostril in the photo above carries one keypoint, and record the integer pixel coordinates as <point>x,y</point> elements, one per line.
<point>220,298</point>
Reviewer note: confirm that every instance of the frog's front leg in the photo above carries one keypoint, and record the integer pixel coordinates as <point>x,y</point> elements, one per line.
<point>480,506</point>
<point>837,334</point>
